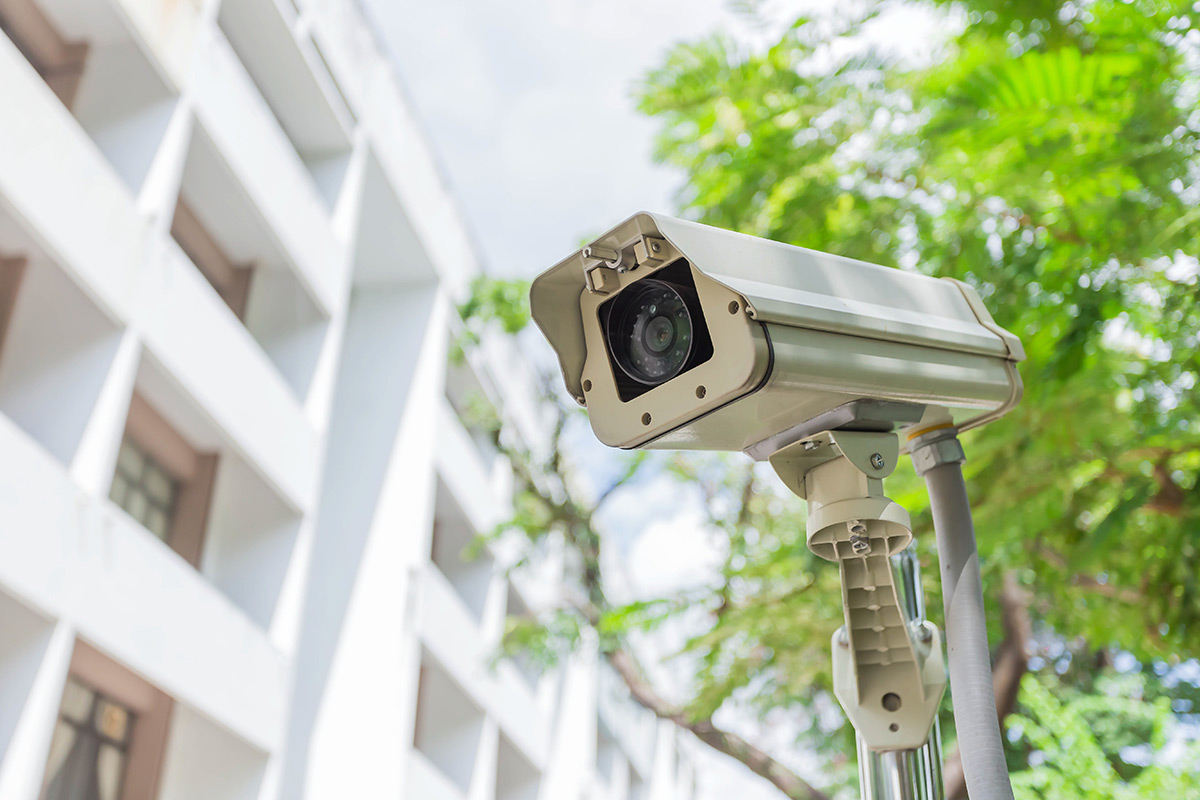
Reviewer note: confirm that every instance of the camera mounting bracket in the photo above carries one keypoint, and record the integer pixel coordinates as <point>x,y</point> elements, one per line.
<point>888,671</point>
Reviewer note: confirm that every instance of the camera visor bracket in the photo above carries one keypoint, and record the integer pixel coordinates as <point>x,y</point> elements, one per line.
<point>602,265</point>
<point>888,671</point>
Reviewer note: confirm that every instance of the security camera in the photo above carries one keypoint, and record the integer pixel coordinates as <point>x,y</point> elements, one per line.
<point>681,336</point>
<point>677,335</point>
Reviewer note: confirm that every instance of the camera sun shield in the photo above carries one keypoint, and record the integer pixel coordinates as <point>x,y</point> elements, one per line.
<point>773,336</point>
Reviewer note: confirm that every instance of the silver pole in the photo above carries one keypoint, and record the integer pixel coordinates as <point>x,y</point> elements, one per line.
<point>905,774</point>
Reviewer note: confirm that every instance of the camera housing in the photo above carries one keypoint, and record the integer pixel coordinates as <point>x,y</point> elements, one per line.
<point>677,335</point>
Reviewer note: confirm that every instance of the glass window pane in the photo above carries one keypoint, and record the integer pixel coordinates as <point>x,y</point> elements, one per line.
<point>158,485</point>
<point>77,702</point>
<point>60,745</point>
<point>129,460</point>
<point>110,766</point>
<point>75,778</point>
<point>135,503</point>
<point>119,487</point>
<point>112,720</point>
<point>158,523</point>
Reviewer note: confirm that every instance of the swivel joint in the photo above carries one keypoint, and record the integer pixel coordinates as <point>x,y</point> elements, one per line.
<point>887,669</point>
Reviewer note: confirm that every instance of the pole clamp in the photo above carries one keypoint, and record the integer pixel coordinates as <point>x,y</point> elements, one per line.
<point>936,448</point>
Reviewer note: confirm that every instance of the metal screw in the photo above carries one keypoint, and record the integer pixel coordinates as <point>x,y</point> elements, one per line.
<point>655,247</point>
<point>811,445</point>
<point>860,544</point>
<point>877,461</point>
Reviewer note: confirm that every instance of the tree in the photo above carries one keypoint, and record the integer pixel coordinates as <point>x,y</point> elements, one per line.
<point>1047,156</point>
<point>1079,738</point>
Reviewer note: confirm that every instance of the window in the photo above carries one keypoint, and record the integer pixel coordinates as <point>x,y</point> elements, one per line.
<point>144,489</point>
<point>89,752</point>
<point>12,270</point>
<point>90,60</point>
<point>223,233</point>
<point>296,87</point>
<point>232,281</point>
<point>516,777</point>
<point>110,735</point>
<point>163,480</point>
<point>469,399</point>
<point>453,535</point>
<point>60,62</point>
<point>57,345</point>
<point>449,726</point>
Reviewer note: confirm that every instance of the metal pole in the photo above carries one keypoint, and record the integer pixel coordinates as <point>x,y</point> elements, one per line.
<point>905,774</point>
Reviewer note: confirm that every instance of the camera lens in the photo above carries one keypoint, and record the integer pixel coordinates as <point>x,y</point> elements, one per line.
<point>650,332</point>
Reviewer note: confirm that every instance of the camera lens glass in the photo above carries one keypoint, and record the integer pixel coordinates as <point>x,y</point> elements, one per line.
<point>650,332</point>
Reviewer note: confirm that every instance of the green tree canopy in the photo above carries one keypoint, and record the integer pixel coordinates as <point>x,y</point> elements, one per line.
<point>1046,153</point>
<point>1048,157</point>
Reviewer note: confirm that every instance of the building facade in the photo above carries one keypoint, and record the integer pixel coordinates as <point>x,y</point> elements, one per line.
<point>235,478</point>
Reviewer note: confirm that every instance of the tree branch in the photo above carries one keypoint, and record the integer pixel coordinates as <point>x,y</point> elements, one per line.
<point>732,745</point>
<point>576,520</point>
<point>1170,497</point>
<point>1090,582</point>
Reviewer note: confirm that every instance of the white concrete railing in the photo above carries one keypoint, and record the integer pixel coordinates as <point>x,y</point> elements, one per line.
<point>240,123</point>
<point>464,469</point>
<point>424,781</point>
<point>450,633</point>
<point>190,330</point>
<point>56,180</point>
<point>130,595</point>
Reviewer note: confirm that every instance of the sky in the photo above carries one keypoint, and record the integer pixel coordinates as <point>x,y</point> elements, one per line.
<point>529,107</point>
<point>528,104</point>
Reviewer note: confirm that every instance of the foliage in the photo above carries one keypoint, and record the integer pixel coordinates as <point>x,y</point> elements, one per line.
<point>1049,158</point>
<point>1046,153</point>
<point>1078,739</point>
<point>492,302</point>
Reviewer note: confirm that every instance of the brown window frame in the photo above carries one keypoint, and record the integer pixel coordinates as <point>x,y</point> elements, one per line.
<point>193,471</point>
<point>150,708</point>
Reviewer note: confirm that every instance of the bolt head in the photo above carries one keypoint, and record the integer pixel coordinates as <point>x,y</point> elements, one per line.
<point>810,445</point>
<point>877,461</point>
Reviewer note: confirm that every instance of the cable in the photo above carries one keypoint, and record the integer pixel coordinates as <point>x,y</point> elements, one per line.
<point>939,460</point>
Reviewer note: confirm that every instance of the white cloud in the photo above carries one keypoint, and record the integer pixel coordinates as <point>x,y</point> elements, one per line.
<point>676,553</point>
<point>529,106</point>
<point>720,778</point>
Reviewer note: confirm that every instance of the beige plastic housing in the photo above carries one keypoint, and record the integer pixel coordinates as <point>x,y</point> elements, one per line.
<point>795,334</point>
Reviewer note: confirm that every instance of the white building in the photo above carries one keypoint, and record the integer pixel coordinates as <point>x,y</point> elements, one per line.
<point>234,487</point>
